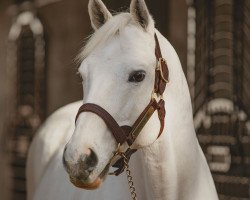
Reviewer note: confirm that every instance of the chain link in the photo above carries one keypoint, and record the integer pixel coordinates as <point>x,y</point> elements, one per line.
<point>130,178</point>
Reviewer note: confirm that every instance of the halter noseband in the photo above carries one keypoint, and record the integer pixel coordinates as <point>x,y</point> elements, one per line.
<point>129,134</point>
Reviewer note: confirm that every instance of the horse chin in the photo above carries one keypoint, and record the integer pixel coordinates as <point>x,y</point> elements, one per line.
<point>91,186</point>
<point>87,186</point>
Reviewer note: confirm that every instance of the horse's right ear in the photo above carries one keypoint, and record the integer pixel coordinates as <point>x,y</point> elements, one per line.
<point>98,13</point>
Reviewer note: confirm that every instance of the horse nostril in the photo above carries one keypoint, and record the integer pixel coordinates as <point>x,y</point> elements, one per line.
<point>87,151</point>
<point>88,161</point>
<point>91,159</point>
<point>81,167</point>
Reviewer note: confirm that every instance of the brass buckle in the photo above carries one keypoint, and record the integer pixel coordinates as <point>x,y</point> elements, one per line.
<point>159,67</point>
<point>156,97</point>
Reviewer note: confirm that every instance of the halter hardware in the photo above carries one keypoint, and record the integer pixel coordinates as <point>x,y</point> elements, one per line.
<point>136,130</point>
<point>125,159</point>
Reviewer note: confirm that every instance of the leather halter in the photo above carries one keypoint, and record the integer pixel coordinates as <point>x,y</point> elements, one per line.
<point>129,134</point>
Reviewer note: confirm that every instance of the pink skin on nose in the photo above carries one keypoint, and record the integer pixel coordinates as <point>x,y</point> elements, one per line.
<point>87,152</point>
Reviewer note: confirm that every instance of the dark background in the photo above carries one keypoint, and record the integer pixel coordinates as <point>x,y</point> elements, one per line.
<point>38,75</point>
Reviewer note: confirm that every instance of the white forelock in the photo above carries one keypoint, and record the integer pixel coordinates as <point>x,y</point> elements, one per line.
<point>109,30</point>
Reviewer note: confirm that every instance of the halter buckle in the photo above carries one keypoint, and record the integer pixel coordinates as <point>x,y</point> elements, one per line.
<point>156,97</point>
<point>117,153</point>
<point>159,68</point>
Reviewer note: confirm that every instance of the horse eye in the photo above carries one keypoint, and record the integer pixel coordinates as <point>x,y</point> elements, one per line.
<point>137,76</point>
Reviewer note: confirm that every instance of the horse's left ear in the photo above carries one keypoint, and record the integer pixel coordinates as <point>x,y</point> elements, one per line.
<point>140,13</point>
<point>98,13</point>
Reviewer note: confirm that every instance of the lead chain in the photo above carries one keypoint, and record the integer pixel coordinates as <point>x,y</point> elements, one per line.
<point>130,178</point>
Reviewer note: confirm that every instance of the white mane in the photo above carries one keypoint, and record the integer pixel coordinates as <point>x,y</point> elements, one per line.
<point>105,33</point>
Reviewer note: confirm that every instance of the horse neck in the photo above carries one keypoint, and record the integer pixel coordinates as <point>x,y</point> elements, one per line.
<point>174,161</point>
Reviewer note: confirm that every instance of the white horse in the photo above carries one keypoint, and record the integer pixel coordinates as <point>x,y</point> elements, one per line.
<point>118,71</point>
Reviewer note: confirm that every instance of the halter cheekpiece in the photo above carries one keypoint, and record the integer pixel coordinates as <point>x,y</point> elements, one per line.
<point>129,134</point>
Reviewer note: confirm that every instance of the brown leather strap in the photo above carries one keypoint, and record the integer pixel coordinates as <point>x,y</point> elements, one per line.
<point>120,133</point>
<point>158,54</point>
<point>161,115</point>
<point>161,72</point>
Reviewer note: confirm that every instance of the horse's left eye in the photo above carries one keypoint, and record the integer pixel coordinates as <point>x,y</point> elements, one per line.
<point>137,76</point>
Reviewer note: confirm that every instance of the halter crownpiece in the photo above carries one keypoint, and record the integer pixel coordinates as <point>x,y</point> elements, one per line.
<point>129,134</point>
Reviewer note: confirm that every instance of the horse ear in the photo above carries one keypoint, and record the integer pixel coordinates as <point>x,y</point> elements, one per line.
<point>140,13</point>
<point>98,13</point>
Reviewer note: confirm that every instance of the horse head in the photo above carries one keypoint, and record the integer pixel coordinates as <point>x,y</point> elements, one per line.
<point>118,71</point>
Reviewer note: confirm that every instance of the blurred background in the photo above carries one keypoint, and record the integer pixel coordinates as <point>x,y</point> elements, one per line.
<point>40,38</point>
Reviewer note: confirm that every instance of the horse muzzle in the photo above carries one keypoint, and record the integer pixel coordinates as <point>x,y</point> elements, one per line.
<point>90,186</point>
<point>81,171</point>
